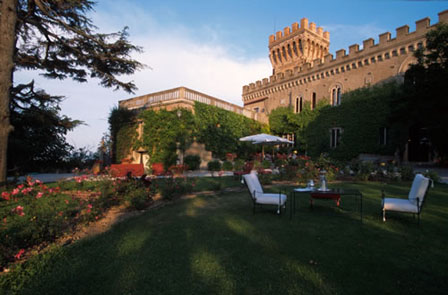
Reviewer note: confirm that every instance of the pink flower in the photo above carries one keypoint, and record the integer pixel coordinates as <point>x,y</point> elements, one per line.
<point>88,210</point>
<point>5,195</point>
<point>38,181</point>
<point>66,202</point>
<point>89,206</point>
<point>39,195</point>
<point>18,210</point>
<point>15,191</point>
<point>20,186</point>
<point>27,190</point>
<point>19,254</point>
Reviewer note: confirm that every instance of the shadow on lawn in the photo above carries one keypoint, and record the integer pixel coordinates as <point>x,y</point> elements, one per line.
<point>215,245</point>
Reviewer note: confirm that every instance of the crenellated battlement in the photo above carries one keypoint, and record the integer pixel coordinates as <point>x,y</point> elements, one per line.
<point>315,67</point>
<point>295,28</point>
<point>297,45</point>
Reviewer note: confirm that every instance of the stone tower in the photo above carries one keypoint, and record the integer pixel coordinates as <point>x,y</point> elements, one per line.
<point>295,46</point>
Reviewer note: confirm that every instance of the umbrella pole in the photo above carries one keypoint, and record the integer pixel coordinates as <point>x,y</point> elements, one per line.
<point>262,153</point>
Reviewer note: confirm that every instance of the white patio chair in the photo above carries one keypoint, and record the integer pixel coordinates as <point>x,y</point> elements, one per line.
<point>257,195</point>
<point>414,203</point>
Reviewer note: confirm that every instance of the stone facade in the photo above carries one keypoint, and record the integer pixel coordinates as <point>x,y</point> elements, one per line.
<point>304,71</point>
<point>181,97</point>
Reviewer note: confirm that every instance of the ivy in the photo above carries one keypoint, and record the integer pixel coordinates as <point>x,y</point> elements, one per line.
<point>165,131</point>
<point>123,132</point>
<point>220,130</point>
<point>361,115</point>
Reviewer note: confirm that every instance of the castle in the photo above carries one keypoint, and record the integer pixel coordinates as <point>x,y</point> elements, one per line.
<point>304,71</point>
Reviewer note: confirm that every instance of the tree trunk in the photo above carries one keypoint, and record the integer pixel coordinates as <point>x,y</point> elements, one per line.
<point>8,20</point>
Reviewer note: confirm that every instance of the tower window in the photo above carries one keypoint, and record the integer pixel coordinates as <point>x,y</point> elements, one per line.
<point>313,101</point>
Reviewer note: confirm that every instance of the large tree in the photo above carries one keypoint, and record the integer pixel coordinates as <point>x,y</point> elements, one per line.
<point>424,106</point>
<point>58,39</point>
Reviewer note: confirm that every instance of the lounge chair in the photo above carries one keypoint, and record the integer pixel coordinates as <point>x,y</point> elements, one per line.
<point>258,197</point>
<point>415,201</point>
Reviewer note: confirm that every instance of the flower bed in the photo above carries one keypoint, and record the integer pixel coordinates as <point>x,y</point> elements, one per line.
<point>34,213</point>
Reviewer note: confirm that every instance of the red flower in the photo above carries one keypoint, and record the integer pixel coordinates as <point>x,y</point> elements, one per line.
<point>5,195</point>
<point>19,254</point>
<point>39,195</point>
<point>15,191</point>
<point>20,186</point>
<point>18,210</point>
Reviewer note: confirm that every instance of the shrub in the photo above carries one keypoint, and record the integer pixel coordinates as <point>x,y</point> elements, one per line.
<point>227,166</point>
<point>266,164</point>
<point>193,162</point>
<point>238,165</point>
<point>407,173</point>
<point>138,198</point>
<point>172,188</point>
<point>280,163</point>
<point>432,175</point>
<point>265,179</point>
<point>214,165</point>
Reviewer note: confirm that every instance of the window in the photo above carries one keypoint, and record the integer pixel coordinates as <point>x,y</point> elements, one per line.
<point>299,104</point>
<point>387,55</point>
<point>335,137</point>
<point>373,60</point>
<point>411,48</point>
<point>383,136</point>
<point>420,45</point>
<point>313,101</point>
<point>336,96</point>
<point>380,58</point>
<point>402,50</point>
<point>394,53</point>
<point>256,110</point>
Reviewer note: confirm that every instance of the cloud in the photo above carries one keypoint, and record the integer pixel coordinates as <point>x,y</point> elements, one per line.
<point>177,57</point>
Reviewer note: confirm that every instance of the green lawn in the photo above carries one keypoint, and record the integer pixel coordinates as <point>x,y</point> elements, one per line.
<point>215,245</point>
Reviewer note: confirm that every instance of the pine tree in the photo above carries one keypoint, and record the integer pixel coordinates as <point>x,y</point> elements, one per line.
<point>57,38</point>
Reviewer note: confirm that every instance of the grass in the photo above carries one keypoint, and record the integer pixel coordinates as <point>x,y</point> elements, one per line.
<point>215,245</point>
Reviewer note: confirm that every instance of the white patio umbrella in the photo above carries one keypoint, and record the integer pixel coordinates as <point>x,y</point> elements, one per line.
<point>266,139</point>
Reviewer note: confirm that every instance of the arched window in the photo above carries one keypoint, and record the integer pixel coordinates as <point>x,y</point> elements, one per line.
<point>336,96</point>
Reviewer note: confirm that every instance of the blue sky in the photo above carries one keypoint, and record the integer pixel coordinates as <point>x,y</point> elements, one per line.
<point>217,46</point>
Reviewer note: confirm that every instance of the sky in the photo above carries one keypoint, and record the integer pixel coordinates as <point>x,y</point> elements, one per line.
<point>215,47</point>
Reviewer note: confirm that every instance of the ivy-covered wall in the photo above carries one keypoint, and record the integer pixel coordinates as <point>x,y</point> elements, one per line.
<point>166,131</point>
<point>123,132</point>
<point>163,131</point>
<point>220,130</point>
<point>360,116</point>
